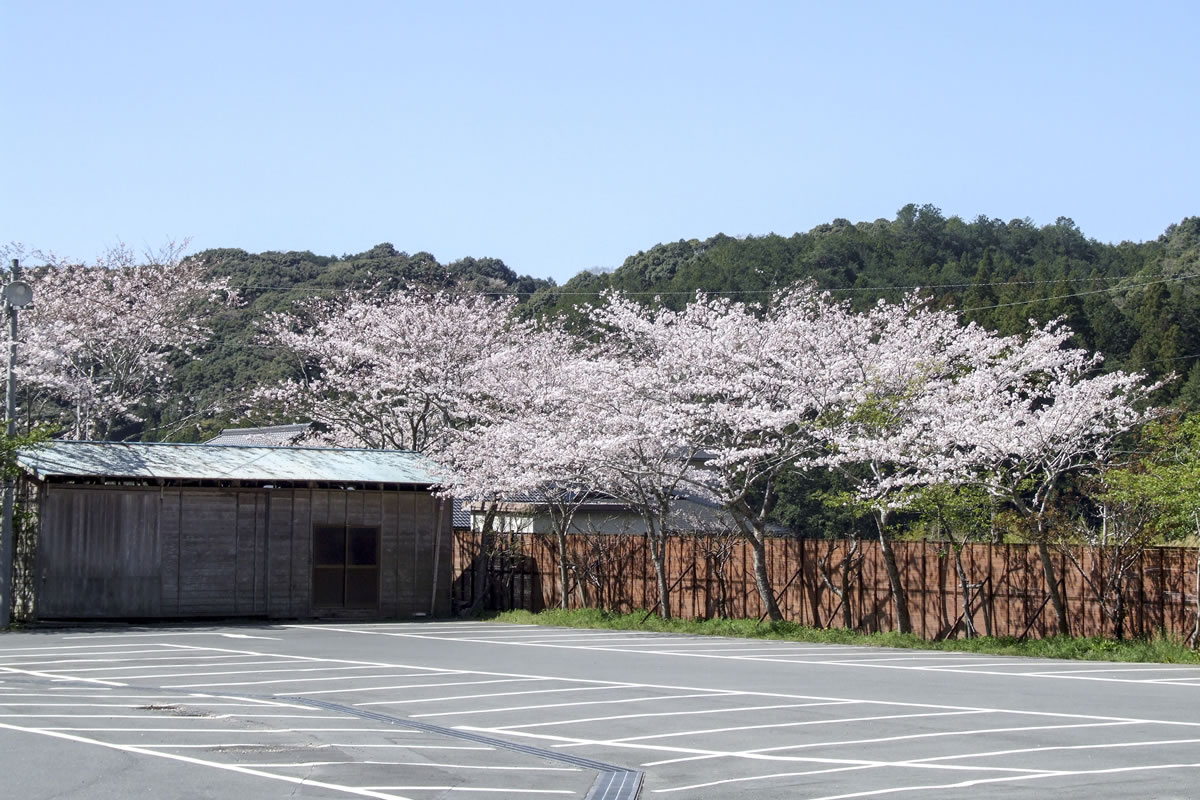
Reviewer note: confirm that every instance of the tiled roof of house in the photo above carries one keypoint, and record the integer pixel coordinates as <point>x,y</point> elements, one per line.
<point>267,435</point>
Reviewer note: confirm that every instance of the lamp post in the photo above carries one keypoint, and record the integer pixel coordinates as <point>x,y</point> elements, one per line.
<point>17,294</point>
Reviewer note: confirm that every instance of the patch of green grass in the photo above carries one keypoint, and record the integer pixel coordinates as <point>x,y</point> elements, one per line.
<point>1157,650</point>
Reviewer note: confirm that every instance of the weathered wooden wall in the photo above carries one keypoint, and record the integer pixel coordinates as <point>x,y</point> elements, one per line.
<point>712,576</point>
<point>132,551</point>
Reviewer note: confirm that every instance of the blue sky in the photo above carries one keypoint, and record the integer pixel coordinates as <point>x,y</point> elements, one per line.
<point>562,136</point>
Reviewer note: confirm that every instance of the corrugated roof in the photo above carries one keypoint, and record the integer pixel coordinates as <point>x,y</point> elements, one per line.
<point>152,461</point>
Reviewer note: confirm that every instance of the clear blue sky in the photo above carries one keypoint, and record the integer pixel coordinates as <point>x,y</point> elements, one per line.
<point>560,136</point>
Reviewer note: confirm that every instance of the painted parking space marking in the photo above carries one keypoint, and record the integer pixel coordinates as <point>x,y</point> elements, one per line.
<point>442,699</point>
<point>306,680</point>
<point>124,725</point>
<point>785,652</point>
<point>56,676</point>
<point>687,713</point>
<point>345,689</point>
<point>450,788</point>
<point>209,764</point>
<point>510,709</point>
<point>1079,725</point>
<point>694,740</point>
<point>898,738</point>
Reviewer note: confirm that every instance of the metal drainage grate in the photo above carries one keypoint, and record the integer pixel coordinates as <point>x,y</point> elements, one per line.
<point>612,782</point>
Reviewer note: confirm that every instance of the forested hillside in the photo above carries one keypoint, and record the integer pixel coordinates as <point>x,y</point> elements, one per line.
<point>175,346</point>
<point>236,359</point>
<point>1136,303</point>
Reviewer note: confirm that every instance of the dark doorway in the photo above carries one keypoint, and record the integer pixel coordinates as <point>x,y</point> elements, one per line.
<point>345,566</point>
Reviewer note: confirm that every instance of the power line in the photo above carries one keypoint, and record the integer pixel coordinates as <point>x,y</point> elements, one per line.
<point>558,291</point>
<point>1028,301</point>
<point>1085,294</point>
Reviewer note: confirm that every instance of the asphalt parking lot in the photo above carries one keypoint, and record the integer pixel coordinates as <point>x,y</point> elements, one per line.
<point>453,709</point>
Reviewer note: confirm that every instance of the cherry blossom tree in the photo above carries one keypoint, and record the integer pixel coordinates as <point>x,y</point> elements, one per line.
<point>949,404</point>
<point>585,419</point>
<point>393,371</point>
<point>888,435</point>
<point>1035,412</point>
<point>100,339</point>
<point>642,450</point>
<point>532,413</point>
<point>731,397</point>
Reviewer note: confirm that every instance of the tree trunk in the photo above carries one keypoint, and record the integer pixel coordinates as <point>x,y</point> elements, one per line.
<point>847,609</point>
<point>480,583</point>
<point>1194,639</point>
<point>1051,575</point>
<point>564,572</point>
<point>899,596</point>
<point>762,581</point>
<point>658,547</point>
<point>963,584</point>
<point>1119,613</point>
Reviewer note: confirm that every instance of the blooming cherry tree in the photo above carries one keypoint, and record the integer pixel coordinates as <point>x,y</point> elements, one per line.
<point>525,438</point>
<point>1035,412</point>
<point>735,387</point>
<point>395,371</point>
<point>889,435</point>
<point>99,339</point>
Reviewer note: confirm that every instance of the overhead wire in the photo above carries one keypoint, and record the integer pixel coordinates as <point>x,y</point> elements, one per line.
<point>560,292</point>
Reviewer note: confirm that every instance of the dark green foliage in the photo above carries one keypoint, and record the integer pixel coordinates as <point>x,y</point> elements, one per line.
<point>236,361</point>
<point>1138,304</point>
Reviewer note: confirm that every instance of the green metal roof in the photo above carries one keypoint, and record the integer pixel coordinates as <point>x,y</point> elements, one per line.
<point>162,461</point>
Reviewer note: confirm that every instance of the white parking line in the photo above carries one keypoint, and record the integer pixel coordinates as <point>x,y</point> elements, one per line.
<point>865,663</point>
<point>618,701</point>
<point>769,726</point>
<point>507,790</point>
<point>143,716</point>
<point>126,748</point>
<point>97,658</point>
<point>984,781</point>
<point>345,690</point>
<point>305,680</point>
<point>60,648</point>
<point>431,764</point>
<point>900,738</point>
<point>451,698</point>
<point>290,671</point>
<point>1114,668</point>
<point>143,665</point>
<point>57,677</point>
<point>146,635</point>
<point>247,732</point>
<point>356,746</point>
<point>751,778</point>
<point>582,720</point>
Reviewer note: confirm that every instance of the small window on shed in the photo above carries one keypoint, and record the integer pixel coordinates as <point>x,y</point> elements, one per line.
<point>345,566</point>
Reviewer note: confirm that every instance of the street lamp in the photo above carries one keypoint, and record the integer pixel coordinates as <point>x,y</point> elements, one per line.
<point>16,294</point>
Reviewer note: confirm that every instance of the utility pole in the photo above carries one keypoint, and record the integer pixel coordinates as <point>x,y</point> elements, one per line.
<point>16,294</point>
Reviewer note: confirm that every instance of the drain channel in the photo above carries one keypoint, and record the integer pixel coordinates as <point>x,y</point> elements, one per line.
<point>612,783</point>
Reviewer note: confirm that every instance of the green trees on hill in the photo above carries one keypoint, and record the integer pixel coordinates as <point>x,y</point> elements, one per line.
<point>237,358</point>
<point>1137,303</point>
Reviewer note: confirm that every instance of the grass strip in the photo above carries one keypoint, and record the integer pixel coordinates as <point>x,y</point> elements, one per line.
<point>1159,650</point>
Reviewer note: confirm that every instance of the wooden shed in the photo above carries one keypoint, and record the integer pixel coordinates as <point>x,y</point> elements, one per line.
<point>140,530</point>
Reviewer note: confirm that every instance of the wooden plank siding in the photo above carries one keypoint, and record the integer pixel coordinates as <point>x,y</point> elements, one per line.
<point>129,551</point>
<point>1008,592</point>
